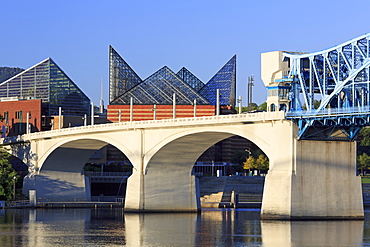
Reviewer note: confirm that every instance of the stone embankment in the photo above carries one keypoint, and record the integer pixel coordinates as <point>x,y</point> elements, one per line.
<point>217,192</point>
<point>220,191</point>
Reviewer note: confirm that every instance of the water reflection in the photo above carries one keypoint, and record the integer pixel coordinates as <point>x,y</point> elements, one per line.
<point>161,229</point>
<point>312,233</point>
<point>213,227</point>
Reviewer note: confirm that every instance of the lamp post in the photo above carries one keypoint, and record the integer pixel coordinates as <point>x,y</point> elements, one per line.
<point>154,112</point>
<point>14,179</point>
<point>240,104</point>
<point>213,165</point>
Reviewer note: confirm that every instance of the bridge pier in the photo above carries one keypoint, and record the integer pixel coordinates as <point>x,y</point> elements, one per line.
<point>317,180</point>
<point>160,195</point>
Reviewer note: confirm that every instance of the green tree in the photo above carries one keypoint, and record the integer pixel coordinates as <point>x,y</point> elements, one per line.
<point>7,175</point>
<point>364,137</point>
<point>238,158</point>
<point>253,106</point>
<point>363,162</point>
<point>250,163</point>
<point>316,103</point>
<point>262,163</point>
<point>263,106</point>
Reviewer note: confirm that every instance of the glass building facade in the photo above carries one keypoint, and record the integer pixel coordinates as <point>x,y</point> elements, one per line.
<point>46,81</point>
<point>159,88</point>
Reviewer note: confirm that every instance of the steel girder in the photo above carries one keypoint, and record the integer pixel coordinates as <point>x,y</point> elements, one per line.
<point>338,76</point>
<point>333,128</point>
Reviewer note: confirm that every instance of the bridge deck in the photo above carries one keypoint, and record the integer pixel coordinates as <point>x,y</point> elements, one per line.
<point>177,122</point>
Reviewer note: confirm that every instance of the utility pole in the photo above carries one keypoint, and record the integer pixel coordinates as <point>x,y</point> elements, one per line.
<point>250,93</point>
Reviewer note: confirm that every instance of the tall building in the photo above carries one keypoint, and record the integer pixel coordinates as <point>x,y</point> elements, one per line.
<point>46,82</point>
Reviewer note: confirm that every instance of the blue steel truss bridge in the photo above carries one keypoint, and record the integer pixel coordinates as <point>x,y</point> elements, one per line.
<point>327,93</point>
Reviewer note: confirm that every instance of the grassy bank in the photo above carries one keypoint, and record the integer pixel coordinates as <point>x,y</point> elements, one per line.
<point>365,180</point>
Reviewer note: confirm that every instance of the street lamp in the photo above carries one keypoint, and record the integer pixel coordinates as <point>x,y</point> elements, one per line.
<point>14,178</point>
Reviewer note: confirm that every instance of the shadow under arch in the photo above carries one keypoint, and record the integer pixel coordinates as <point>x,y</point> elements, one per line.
<point>185,148</point>
<point>168,183</point>
<point>60,176</point>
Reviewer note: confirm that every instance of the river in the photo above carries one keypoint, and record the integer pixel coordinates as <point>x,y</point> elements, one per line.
<point>212,227</point>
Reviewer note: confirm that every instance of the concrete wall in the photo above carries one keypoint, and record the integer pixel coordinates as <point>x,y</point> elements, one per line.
<point>321,184</point>
<point>271,66</point>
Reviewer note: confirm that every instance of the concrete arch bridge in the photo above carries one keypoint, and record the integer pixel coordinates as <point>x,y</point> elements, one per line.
<point>307,179</point>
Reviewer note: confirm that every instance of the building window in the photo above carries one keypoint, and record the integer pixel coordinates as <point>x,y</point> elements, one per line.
<point>18,115</point>
<point>272,107</point>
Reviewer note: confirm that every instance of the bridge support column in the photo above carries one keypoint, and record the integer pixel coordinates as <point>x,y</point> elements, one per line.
<point>170,191</point>
<point>162,180</point>
<point>318,182</point>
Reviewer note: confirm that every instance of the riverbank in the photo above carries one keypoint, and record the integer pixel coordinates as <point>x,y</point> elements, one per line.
<point>220,192</point>
<point>215,192</point>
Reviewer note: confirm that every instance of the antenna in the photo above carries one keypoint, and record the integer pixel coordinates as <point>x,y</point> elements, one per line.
<point>250,93</point>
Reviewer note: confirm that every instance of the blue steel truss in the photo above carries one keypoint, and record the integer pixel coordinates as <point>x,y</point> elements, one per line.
<point>339,79</point>
<point>338,76</point>
<point>331,124</point>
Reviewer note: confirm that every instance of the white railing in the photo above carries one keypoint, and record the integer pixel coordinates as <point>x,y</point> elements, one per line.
<point>248,117</point>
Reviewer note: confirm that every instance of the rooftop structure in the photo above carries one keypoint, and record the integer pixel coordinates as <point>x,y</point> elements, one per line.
<point>46,81</point>
<point>160,86</point>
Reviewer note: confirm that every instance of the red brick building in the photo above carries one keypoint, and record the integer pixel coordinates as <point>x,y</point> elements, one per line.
<point>117,113</point>
<point>14,116</point>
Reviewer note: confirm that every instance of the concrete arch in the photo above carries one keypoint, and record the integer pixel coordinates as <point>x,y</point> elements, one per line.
<point>167,183</point>
<point>200,141</point>
<point>59,175</point>
<point>83,143</point>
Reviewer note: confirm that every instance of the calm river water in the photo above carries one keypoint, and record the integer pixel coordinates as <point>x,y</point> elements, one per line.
<point>213,227</point>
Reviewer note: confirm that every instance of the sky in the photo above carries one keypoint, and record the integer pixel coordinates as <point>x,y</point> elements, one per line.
<point>201,35</point>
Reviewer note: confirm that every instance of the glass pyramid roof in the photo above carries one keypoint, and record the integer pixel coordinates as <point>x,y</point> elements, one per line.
<point>225,81</point>
<point>46,81</point>
<point>190,79</point>
<point>160,87</point>
<point>121,76</point>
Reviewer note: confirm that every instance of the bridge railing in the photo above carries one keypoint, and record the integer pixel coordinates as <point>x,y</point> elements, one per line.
<point>109,174</point>
<point>247,117</point>
<point>331,111</point>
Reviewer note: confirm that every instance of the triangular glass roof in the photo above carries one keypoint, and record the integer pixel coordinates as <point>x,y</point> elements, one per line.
<point>159,89</point>
<point>225,81</point>
<point>121,76</point>
<point>64,93</point>
<point>190,79</point>
<point>46,81</point>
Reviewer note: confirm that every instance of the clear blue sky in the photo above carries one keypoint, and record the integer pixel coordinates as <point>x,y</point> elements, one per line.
<point>200,35</point>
